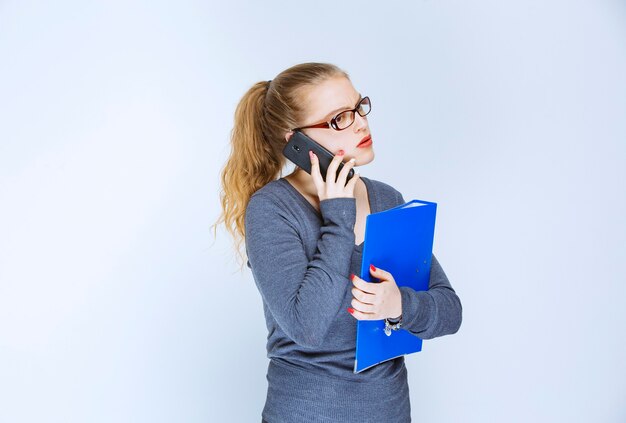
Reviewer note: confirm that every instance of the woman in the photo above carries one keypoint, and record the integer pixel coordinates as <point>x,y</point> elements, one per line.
<point>304,239</point>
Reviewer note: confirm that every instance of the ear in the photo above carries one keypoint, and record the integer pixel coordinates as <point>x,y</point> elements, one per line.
<point>288,135</point>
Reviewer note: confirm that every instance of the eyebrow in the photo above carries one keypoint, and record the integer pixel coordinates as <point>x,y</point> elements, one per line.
<point>342,108</point>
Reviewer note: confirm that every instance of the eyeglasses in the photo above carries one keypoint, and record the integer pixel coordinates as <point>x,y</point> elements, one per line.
<point>344,119</point>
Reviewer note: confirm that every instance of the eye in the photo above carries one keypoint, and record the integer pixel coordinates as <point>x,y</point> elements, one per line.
<point>344,119</point>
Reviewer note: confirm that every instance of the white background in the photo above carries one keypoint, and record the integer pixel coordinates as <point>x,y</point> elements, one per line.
<point>116,303</point>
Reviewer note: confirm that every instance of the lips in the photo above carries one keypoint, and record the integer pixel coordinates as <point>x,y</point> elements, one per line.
<point>365,140</point>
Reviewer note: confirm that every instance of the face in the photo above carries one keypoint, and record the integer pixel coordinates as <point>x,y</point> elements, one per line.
<point>323,102</point>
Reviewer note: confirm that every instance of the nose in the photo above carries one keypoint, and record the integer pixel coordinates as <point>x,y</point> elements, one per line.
<point>360,122</point>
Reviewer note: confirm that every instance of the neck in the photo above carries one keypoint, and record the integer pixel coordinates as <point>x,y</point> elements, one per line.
<point>305,181</point>
<point>306,184</point>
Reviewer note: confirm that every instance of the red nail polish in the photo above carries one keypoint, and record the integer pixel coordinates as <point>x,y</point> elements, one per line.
<point>341,152</point>
<point>372,268</point>
<point>351,276</point>
<point>350,310</point>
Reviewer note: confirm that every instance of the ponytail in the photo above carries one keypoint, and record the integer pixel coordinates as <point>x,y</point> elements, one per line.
<point>266,112</point>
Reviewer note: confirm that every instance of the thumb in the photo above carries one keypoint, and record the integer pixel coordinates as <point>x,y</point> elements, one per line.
<point>381,274</point>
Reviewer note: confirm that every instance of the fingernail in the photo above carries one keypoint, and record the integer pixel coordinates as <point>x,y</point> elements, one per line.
<point>341,152</point>
<point>311,154</point>
<point>353,160</point>
<point>350,310</point>
<point>372,268</point>
<point>351,276</point>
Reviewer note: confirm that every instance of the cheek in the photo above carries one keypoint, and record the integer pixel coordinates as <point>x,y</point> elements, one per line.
<point>346,145</point>
<point>334,143</point>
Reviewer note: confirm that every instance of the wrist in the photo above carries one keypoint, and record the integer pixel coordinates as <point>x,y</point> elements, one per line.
<point>395,319</point>
<point>392,325</point>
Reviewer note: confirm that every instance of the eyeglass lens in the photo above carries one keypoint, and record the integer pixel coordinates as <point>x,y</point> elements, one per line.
<point>345,119</point>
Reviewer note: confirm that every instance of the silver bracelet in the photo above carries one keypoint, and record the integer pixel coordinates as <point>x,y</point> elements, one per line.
<point>392,324</point>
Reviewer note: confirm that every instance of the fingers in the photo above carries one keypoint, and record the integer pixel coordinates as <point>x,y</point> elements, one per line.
<point>362,307</point>
<point>335,183</point>
<point>333,166</point>
<point>343,175</point>
<point>359,315</point>
<point>363,297</point>
<point>381,274</point>
<point>315,172</point>
<point>374,301</point>
<point>363,302</point>
<point>366,287</point>
<point>352,182</point>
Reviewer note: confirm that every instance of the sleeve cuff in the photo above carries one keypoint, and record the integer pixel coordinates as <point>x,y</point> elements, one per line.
<point>417,307</point>
<point>340,211</point>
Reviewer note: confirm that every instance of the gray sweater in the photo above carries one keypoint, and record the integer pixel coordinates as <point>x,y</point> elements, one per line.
<point>301,261</point>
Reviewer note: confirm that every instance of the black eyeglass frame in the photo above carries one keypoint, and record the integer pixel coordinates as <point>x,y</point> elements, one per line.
<point>333,122</point>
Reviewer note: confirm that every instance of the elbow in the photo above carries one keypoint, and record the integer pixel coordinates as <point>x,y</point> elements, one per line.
<point>307,332</point>
<point>446,317</point>
<point>456,316</point>
<point>453,318</point>
<point>307,338</point>
<point>311,343</point>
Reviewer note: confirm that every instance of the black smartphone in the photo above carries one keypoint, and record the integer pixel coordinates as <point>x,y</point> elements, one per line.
<point>297,150</point>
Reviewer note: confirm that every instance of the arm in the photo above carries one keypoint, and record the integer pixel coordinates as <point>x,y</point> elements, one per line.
<point>303,296</point>
<point>435,312</point>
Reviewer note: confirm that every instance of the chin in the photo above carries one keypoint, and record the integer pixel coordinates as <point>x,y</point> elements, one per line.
<point>364,159</point>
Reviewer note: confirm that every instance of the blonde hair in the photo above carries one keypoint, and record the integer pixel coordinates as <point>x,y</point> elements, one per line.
<point>264,114</point>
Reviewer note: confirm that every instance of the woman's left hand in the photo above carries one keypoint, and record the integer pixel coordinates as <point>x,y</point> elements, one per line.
<point>376,301</point>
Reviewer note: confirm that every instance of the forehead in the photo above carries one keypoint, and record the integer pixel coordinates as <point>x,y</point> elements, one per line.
<point>332,94</point>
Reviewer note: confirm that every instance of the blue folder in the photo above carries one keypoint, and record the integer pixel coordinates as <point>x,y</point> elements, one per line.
<point>400,241</point>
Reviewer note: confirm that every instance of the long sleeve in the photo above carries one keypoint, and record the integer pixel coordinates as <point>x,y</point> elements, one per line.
<point>303,296</point>
<point>435,312</point>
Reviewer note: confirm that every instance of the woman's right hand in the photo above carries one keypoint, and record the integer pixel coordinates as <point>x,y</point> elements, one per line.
<point>333,188</point>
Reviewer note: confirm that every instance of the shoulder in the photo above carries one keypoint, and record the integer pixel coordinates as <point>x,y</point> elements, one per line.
<point>267,198</point>
<point>272,191</point>
<point>271,200</point>
<point>386,193</point>
<point>269,215</point>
